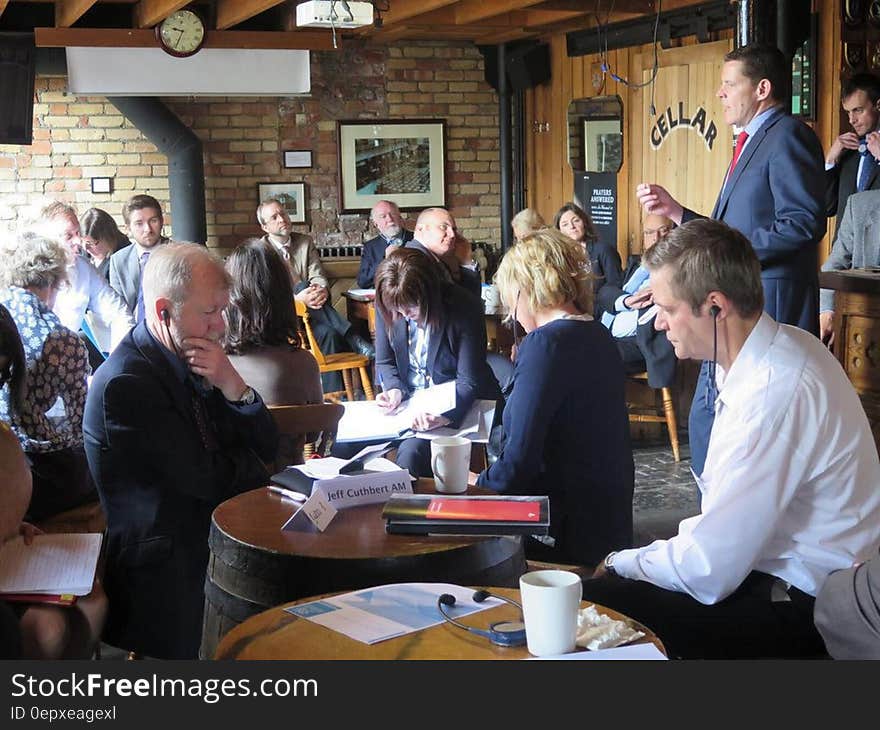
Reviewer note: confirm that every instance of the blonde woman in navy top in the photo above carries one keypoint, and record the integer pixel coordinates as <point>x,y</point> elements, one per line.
<point>565,421</point>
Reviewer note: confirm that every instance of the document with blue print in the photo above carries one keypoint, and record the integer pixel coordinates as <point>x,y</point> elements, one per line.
<point>385,612</point>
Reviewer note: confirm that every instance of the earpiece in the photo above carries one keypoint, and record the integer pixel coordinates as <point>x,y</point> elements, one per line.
<point>715,310</point>
<point>500,633</point>
<point>165,316</point>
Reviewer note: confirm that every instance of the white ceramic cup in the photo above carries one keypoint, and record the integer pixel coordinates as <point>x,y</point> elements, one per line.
<point>550,601</point>
<point>450,462</point>
<point>491,296</point>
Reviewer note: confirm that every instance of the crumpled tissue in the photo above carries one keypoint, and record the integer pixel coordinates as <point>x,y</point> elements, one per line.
<point>598,631</point>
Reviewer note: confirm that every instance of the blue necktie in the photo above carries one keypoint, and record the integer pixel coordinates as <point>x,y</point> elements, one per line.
<point>867,166</point>
<point>139,311</point>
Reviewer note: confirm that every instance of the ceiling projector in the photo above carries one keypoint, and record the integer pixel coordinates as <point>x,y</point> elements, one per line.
<point>334,14</point>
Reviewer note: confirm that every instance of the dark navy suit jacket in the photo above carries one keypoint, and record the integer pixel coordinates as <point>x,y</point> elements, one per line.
<point>607,268</point>
<point>776,198</point>
<point>469,280</point>
<point>456,351</point>
<point>371,257</point>
<point>568,440</point>
<point>159,485</point>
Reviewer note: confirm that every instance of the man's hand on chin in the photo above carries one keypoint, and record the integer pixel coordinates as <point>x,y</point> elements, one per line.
<point>206,358</point>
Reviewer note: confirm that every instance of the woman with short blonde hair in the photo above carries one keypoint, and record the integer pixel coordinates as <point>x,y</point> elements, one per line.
<point>565,422</point>
<point>527,221</point>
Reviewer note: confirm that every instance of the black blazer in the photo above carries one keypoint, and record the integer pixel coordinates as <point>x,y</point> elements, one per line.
<point>840,183</point>
<point>655,347</point>
<point>159,485</point>
<point>371,257</point>
<point>456,351</point>
<point>468,279</point>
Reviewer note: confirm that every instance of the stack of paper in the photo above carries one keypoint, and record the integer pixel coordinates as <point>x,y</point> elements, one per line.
<point>366,421</point>
<point>51,565</point>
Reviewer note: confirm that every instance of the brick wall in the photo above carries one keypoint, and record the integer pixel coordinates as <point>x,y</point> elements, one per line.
<point>77,138</point>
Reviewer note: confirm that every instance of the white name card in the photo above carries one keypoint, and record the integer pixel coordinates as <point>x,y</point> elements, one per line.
<point>316,510</point>
<point>357,489</point>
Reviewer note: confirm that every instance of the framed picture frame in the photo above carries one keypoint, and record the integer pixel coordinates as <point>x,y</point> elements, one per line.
<point>403,161</point>
<point>296,158</point>
<point>292,195</point>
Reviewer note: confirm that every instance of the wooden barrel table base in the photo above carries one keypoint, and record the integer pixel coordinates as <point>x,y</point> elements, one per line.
<point>254,566</point>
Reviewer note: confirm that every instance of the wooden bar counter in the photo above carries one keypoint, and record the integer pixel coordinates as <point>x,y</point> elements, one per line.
<point>254,565</point>
<point>857,334</point>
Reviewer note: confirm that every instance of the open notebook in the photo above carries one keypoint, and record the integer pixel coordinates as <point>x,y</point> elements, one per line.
<point>61,564</point>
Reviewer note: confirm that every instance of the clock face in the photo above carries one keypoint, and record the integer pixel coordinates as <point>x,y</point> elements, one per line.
<point>181,33</point>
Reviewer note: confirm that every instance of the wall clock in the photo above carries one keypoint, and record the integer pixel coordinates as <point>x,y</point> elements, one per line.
<point>181,34</point>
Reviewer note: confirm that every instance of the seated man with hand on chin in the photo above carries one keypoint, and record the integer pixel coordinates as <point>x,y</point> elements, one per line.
<point>789,488</point>
<point>171,430</point>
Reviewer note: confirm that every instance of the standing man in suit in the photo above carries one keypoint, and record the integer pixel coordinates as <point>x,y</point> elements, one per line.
<point>851,165</point>
<point>143,217</point>
<point>437,237</point>
<point>773,194</point>
<point>857,245</point>
<point>392,234</point>
<point>171,430</point>
<point>628,312</point>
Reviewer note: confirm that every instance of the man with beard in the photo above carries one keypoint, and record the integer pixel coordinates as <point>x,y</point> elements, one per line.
<point>144,219</point>
<point>392,235</point>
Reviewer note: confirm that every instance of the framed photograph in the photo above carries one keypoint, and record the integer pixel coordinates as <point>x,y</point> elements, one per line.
<point>400,161</point>
<point>297,158</point>
<point>292,195</point>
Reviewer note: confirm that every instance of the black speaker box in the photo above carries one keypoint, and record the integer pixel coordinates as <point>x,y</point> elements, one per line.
<point>528,67</point>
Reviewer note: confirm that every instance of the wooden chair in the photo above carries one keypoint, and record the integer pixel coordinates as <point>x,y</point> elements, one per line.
<point>346,362</point>
<point>304,424</point>
<point>664,413</point>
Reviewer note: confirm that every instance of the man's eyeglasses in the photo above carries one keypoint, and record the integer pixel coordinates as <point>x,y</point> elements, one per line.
<point>659,232</point>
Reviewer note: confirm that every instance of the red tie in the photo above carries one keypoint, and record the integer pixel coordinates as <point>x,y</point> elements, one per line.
<point>740,143</point>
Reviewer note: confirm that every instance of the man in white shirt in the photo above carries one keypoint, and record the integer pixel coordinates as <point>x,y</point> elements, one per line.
<point>86,289</point>
<point>789,489</point>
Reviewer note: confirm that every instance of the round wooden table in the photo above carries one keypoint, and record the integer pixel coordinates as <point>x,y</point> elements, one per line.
<point>254,565</point>
<point>277,634</point>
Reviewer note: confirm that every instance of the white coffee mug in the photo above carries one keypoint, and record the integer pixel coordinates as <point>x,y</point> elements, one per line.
<point>450,462</point>
<point>550,601</point>
<point>491,296</point>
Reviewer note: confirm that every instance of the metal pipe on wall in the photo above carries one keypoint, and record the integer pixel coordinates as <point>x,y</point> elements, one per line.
<point>186,168</point>
<point>505,137</point>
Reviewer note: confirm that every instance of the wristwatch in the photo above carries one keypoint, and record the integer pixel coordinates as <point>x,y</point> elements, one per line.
<point>248,398</point>
<point>608,563</point>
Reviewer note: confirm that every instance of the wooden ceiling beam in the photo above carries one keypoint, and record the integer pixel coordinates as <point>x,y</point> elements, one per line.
<point>306,40</point>
<point>474,11</point>
<point>401,11</point>
<point>233,12</point>
<point>3,4</point>
<point>150,12</point>
<point>67,12</point>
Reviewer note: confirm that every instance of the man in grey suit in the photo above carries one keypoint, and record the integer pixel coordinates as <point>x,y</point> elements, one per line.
<point>857,245</point>
<point>847,611</point>
<point>143,216</point>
